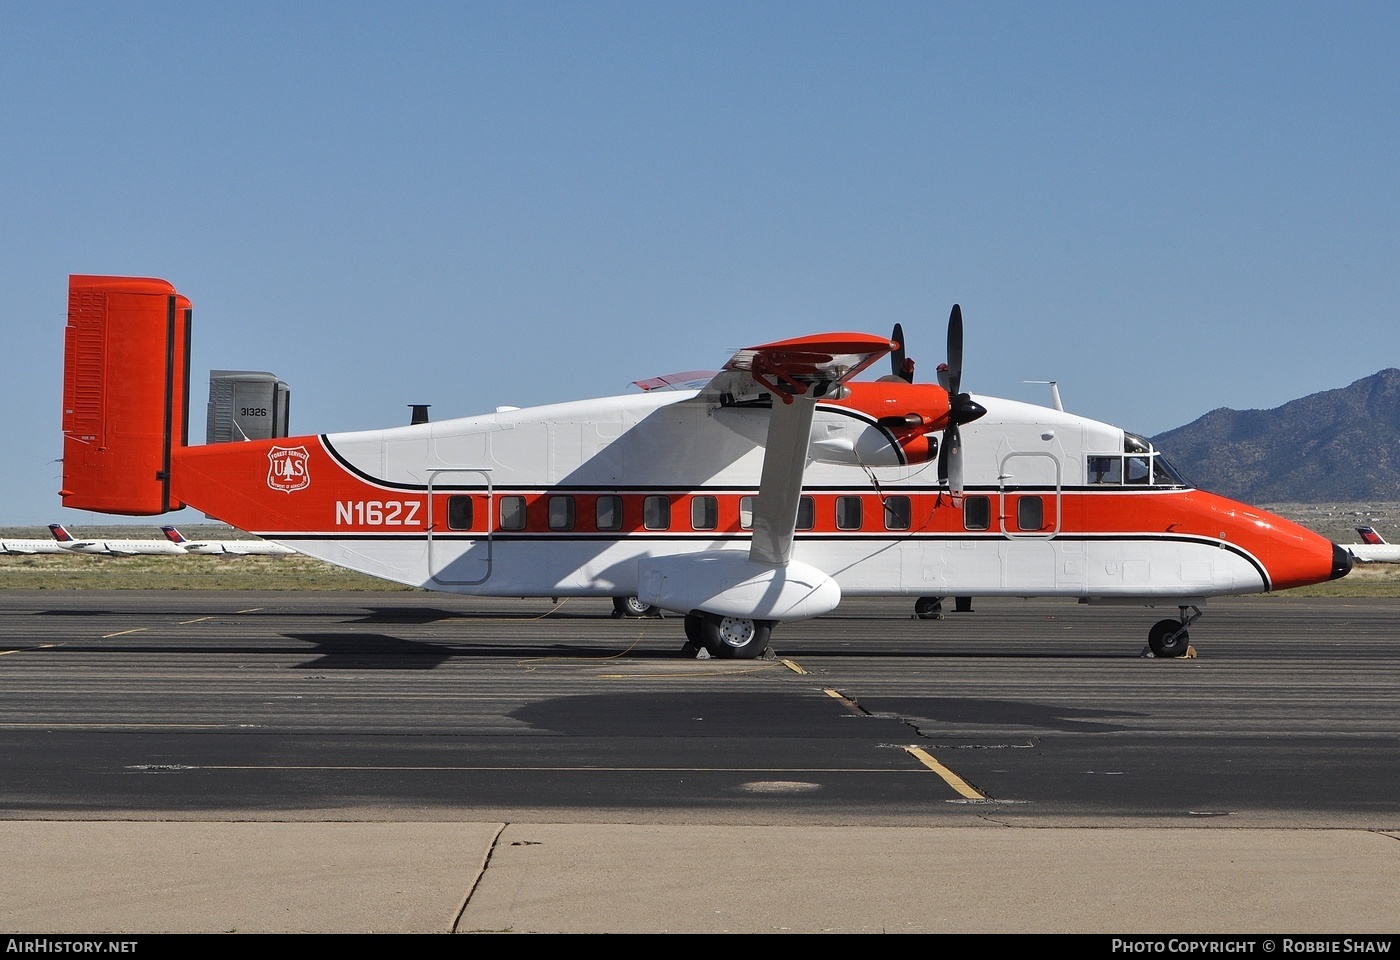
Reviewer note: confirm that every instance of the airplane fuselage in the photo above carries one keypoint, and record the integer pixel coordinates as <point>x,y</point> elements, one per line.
<point>568,499</point>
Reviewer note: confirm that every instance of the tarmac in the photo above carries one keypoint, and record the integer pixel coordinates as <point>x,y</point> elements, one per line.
<point>130,877</point>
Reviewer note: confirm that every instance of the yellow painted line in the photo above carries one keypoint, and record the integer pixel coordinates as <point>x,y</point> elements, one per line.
<point>6,653</point>
<point>108,636</point>
<point>949,777</point>
<point>197,620</point>
<point>847,702</point>
<point>794,667</point>
<point>250,610</point>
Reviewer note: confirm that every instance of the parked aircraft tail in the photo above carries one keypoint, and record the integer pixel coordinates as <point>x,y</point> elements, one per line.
<point>1369,535</point>
<point>125,393</point>
<point>60,533</point>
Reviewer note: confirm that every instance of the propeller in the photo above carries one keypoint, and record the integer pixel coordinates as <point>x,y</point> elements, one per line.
<point>900,365</point>
<point>961,407</point>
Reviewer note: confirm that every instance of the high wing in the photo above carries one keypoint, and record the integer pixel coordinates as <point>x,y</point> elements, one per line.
<point>798,373</point>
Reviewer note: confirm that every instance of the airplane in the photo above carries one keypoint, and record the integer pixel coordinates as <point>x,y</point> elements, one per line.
<point>1373,548</point>
<point>116,548</point>
<point>23,546</point>
<point>236,548</point>
<point>760,496</point>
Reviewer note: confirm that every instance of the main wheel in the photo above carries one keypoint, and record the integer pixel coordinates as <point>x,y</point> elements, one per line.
<point>1163,644</point>
<point>929,608</point>
<point>736,638</point>
<point>632,607</point>
<point>695,629</point>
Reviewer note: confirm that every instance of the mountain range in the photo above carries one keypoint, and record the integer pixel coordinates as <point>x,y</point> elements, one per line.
<point>1337,445</point>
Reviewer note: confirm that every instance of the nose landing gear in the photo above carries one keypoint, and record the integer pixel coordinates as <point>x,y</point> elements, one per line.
<point>1168,638</point>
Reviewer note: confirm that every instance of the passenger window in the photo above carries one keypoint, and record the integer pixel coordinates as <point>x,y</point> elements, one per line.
<point>656,513</point>
<point>977,513</point>
<point>897,513</point>
<point>561,513</point>
<point>848,513</point>
<point>512,513</point>
<point>1030,513</point>
<point>704,513</point>
<point>746,513</point>
<point>609,513</point>
<point>806,513</point>
<point>459,513</point>
<point>1106,470</point>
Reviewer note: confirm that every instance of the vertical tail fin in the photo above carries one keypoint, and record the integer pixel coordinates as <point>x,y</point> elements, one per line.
<point>60,533</point>
<point>125,393</point>
<point>1369,535</point>
<point>173,535</point>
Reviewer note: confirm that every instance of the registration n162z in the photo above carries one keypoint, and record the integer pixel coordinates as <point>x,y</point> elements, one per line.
<point>377,513</point>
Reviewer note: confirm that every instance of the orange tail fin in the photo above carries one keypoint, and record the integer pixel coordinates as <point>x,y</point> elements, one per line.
<point>125,393</point>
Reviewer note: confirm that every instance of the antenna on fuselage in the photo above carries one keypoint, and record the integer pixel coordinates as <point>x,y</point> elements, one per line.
<point>1054,393</point>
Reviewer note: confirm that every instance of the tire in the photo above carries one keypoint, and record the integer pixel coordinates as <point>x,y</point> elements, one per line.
<point>632,608</point>
<point>736,638</point>
<point>695,630</point>
<point>1161,642</point>
<point>929,608</point>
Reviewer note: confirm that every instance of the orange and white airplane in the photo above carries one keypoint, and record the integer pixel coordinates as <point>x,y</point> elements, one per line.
<point>763,495</point>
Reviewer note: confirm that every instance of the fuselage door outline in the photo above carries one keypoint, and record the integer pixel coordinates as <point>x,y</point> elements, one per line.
<point>485,543</point>
<point>1005,475</point>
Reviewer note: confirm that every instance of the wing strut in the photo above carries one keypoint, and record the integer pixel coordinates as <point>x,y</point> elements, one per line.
<point>796,373</point>
<point>780,487</point>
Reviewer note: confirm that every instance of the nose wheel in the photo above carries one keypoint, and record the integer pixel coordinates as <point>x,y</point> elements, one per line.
<point>1168,638</point>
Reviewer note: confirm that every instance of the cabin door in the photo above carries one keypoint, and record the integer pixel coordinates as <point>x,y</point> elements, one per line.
<point>1030,519</point>
<point>460,558</point>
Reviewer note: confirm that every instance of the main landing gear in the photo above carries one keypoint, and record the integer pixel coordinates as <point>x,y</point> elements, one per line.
<point>726,638</point>
<point>931,608</point>
<point>632,608</point>
<point>1168,638</point>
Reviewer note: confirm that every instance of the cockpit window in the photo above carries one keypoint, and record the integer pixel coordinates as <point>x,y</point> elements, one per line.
<point>1106,470</point>
<point>1139,465</point>
<point>1166,475</point>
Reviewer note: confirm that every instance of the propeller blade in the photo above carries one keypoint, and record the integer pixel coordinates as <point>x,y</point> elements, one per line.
<point>897,355</point>
<point>961,407</point>
<point>955,350</point>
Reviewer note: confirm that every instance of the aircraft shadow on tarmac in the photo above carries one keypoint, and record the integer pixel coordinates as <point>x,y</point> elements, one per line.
<point>377,651</point>
<point>963,711</point>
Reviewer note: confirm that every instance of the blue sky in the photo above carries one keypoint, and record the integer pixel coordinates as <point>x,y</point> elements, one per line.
<point>1168,207</point>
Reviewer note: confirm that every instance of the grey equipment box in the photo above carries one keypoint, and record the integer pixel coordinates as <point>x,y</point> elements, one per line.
<point>246,405</point>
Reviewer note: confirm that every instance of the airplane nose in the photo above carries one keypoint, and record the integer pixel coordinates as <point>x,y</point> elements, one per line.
<point>1341,562</point>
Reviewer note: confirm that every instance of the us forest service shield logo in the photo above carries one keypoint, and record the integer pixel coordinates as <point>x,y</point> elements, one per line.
<point>287,469</point>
